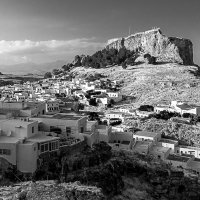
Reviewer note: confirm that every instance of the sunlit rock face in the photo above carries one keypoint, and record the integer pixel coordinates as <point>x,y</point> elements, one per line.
<point>165,49</point>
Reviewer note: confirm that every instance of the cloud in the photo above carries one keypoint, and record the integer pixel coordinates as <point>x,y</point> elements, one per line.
<point>43,51</point>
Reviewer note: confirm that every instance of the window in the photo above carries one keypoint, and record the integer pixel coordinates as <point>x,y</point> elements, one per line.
<point>42,148</point>
<point>82,129</point>
<point>33,129</point>
<point>5,151</point>
<point>49,146</point>
<point>57,145</point>
<point>68,130</point>
<point>46,147</point>
<point>53,146</point>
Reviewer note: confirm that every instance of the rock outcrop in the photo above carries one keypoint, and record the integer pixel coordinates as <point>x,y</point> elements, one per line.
<point>43,190</point>
<point>165,49</point>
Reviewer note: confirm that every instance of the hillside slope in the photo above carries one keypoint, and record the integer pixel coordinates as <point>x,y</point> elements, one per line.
<point>153,83</point>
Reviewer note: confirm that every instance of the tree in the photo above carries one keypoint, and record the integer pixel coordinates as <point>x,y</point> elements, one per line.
<point>122,54</point>
<point>147,108</point>
<point>48,75</point>
<point>93,116</point>
<point>77,61</point>
<point>77,106</point>
<point>67,67</point>
<point>56,71</point>
<point>124,66</point>
<point>112,102</point>
<point>187,115</point>
<point>149,59</point>
<point>93,102</point>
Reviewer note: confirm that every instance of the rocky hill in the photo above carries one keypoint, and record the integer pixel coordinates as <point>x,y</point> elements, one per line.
<point>166,49</point>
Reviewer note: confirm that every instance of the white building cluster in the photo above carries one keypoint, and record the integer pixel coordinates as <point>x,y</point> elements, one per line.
<point>33,123</point>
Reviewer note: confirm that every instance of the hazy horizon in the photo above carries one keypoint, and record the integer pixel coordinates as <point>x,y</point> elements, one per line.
<point>43,31</point>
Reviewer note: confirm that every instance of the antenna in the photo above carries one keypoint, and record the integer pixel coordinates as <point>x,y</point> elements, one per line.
<point>129,31</point>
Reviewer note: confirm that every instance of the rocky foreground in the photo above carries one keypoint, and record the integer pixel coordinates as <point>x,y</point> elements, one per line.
<point>43,190</point>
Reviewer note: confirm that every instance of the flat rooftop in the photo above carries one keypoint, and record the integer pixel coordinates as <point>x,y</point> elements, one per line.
<point>168,141</point>
<point>189,147</point>
<point>178,158</point>
<point>17,122</point>
<point>62,117</point>
<point>146,134</point>
<point>68,117</point>
<point>157,149</point>
<point>8,139</point>
<point>186,106</point>
<point>142,144</point>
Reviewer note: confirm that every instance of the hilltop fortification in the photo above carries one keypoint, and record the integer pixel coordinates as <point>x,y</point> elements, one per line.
<point>166,49</point>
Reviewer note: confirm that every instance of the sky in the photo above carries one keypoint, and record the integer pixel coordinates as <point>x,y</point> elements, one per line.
<point>42,31</point>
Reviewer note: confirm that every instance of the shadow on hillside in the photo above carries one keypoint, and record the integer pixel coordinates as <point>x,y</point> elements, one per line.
<point>139,63</point>
<point>156,63</point>
<point>161,63</point>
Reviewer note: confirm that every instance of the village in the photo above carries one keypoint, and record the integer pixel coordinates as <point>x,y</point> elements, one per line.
<point>61,112</point>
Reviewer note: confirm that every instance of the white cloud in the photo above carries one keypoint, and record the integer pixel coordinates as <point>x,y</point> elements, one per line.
<point>42,51</point>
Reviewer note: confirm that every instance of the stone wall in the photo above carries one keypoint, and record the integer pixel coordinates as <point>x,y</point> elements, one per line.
<point>166,49</point>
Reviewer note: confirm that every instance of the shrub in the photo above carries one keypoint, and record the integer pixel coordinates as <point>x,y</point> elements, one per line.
<point>48,75</point>
<point>147,108</point>
<point>22,195</point>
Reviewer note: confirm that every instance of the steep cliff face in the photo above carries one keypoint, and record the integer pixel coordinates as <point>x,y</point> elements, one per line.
<point>166,49</point>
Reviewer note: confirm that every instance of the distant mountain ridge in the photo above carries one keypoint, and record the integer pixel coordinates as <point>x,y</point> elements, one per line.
<point>25,68</point>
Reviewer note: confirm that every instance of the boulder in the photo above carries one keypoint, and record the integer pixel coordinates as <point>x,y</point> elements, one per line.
<point>153,42</point>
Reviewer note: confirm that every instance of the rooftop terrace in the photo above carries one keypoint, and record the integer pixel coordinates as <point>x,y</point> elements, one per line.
<point>146,134</point>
